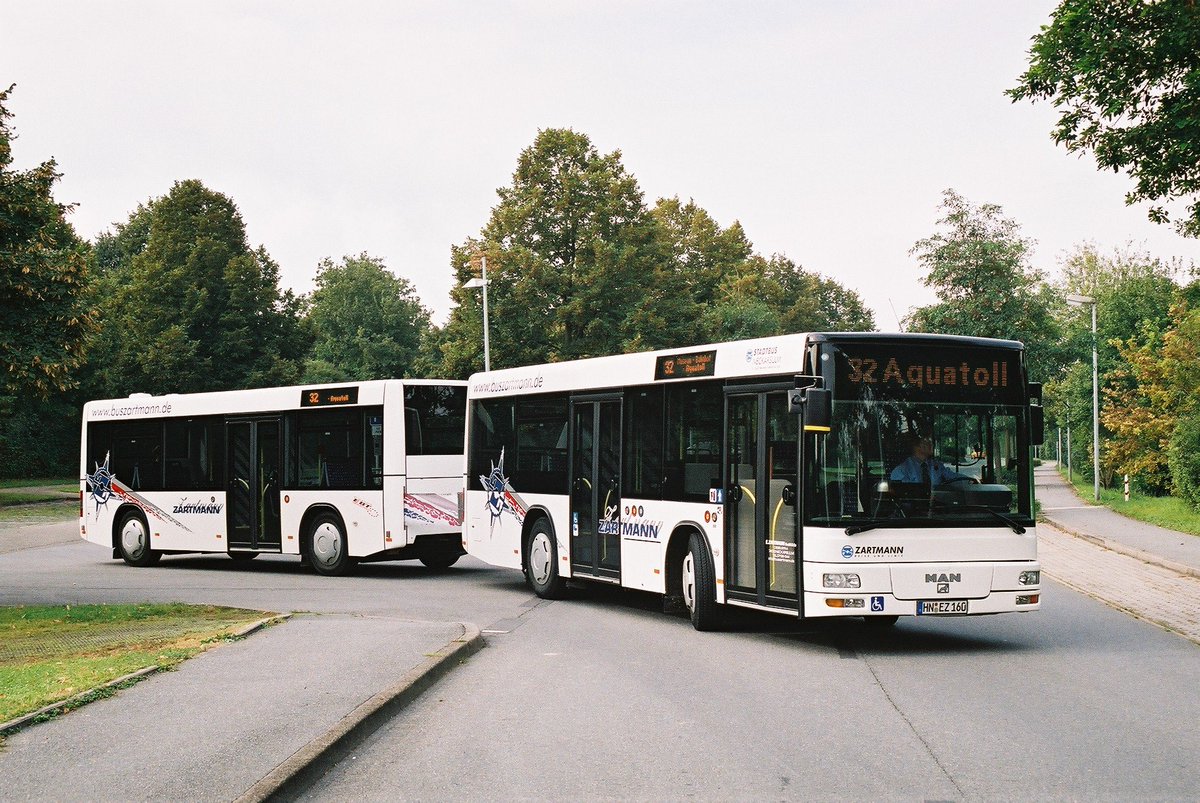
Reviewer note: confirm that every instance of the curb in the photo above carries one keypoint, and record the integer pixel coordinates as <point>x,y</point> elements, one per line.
<point>291,778</point>
<point>14,725</point>
<point>1124,549</point>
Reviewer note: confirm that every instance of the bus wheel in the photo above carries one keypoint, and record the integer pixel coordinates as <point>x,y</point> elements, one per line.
<point>699,582</point>
<point>327,547</point>
<point>438,560</point>
<point>541,562</point>
<point>881,621</point>
<point>134,540</point>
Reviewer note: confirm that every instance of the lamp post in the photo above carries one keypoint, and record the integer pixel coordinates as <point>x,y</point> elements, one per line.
<point>1079,301</point>
<point>472,284</point>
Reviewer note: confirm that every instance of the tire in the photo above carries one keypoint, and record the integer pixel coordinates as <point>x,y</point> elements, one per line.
<point>699,585</point>
<point>881,621</point>
<point>541,562</point>
<point>327,547</point>
<point>439,560</point>
<point>133,540</point>
<point>243,557</point>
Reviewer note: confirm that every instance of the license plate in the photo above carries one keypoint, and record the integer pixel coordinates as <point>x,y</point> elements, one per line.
<point>934,607</point>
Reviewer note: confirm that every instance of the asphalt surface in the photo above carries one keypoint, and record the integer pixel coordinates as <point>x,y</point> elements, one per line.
<point>603,696</point>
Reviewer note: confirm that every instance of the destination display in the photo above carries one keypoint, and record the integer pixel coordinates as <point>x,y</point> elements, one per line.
<point>327,397</point>
<point>685,366</point>
<point>913,372</point>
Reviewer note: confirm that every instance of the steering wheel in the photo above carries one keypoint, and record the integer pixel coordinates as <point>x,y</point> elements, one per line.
<point>961,479</point>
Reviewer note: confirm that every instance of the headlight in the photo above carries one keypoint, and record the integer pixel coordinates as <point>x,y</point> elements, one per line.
<point>1030,578</point>
<point>841,580</point>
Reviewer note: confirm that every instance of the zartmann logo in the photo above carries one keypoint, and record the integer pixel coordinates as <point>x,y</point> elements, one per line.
<point>872,551</point>
<point>198,506</point>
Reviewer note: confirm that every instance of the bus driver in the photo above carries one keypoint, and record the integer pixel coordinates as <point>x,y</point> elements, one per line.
<point>922,467</point>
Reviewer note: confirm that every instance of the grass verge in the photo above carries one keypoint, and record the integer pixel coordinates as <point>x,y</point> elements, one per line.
<point>67,483</point>
<point>50,653</point>
<point>24,496</point>
<point>36,514</point>
<point>1165,511</point>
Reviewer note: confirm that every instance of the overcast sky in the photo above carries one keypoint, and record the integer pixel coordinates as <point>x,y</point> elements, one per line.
<point>829,129</point>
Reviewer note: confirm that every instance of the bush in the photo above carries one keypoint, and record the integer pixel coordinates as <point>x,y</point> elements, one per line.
<point>1184,459</point>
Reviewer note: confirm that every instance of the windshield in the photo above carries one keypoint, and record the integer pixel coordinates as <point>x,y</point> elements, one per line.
<point>911,455</point>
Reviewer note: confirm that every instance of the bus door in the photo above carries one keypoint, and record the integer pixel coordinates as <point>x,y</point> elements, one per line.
<point>596,487</point>
<point>252,506</point>
<point>760,469</point>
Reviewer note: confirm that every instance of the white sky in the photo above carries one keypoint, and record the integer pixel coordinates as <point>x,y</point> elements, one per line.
<point>829,129</point>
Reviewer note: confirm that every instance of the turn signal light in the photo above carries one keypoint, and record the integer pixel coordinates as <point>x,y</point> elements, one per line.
<point>845,603</point>
<point>1028,599</point>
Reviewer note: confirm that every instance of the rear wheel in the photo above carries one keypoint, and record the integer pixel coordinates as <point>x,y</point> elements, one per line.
<point>881,621</point>
<point>541,562</point>
<point>699,585</point>
<point>327,547</point>
<point>133,540</point>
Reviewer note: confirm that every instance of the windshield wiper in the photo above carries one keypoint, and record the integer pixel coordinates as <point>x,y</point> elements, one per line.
<point>1016,527</point>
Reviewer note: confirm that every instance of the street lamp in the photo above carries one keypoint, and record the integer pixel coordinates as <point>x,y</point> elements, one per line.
<point>472,284</point>
<point>1079,301</point>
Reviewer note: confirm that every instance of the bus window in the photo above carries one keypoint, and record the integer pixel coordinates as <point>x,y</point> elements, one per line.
<point>434,416</point>
<point>643,475</point>
<point>691,463</point>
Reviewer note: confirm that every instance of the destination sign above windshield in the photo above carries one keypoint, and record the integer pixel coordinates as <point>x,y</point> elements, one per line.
<point>896,371</point>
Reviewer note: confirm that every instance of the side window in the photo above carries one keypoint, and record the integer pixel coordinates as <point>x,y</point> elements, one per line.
<point>373,431</point>
<point>137,460</point>
<point>692,451</point>
<point>643,475</point>
<point>329,452</point>
<point>193,450</point>
<point>434,418</point>
<point>492,431</point>
<point>541,460</point>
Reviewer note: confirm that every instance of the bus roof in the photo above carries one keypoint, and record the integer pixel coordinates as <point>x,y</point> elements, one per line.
<point>766,356</point>
<point>291,397</point>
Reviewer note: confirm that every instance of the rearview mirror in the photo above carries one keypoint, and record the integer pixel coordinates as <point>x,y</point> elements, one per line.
<point>1037,424</point>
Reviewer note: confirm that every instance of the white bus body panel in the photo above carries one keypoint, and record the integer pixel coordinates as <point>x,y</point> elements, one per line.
<point>898,568</point>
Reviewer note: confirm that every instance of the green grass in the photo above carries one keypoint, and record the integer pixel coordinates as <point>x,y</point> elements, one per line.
<point>38,514</point>
<point>51,653</point>
<point>1165,511</point>
<point>66,483</point>
<point>23,497</point>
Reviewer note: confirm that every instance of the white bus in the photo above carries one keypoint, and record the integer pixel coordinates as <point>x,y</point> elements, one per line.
<point>333,473</point>
<point>766,474</point>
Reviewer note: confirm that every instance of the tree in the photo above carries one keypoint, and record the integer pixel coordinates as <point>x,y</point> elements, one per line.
<point>188,304</point>
<point>570,248</point>
<point>979,268</point>
<point>45,319</point>
<point>1134,293</point>
<point>367,322</point>
<point>1125,77</point>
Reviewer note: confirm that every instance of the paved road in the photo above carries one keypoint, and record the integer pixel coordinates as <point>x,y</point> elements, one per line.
<point>604,696</point>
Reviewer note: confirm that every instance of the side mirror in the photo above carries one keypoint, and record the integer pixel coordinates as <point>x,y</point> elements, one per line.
<point>818,409</point>
<point>1037,424</point>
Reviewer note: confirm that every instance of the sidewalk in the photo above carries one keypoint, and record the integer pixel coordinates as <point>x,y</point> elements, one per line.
<point>237,722</point>
<point>1156,545</point>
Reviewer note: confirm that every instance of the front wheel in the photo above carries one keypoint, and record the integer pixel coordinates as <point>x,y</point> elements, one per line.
<point>881,621</point>
<point>133,541</point>
<point>541,562</point>
<point>699,585</point>
<point>328,550</point>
